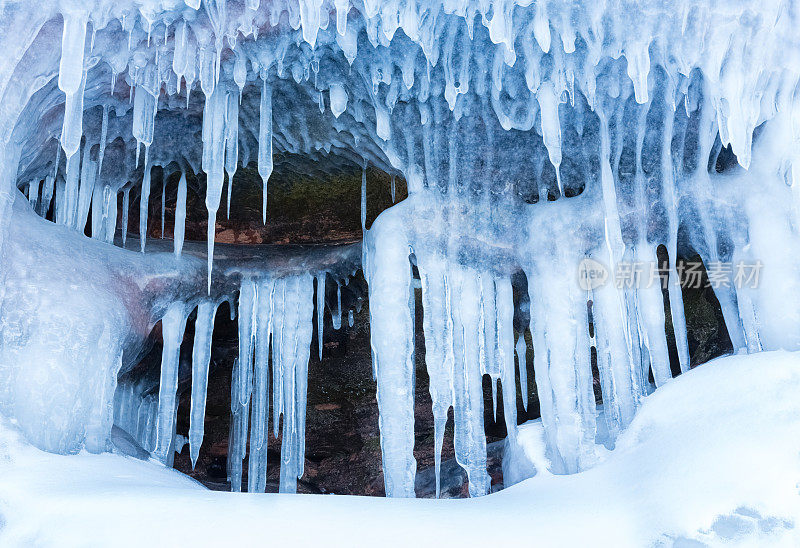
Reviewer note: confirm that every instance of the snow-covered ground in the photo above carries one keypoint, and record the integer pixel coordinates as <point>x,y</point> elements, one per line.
<point>713,457</point>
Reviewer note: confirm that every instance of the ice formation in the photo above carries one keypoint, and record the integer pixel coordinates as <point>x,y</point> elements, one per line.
<point>533,137</point>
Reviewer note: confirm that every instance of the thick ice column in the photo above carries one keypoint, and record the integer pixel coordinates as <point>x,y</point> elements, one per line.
<point>651,319</point>
<point>393,348</point>
<point>265,141</point>
<point>438,325</point>
<point>201,357</point>
<point>299,317</point>
<point>562,364</point>
<point>621,379</point>
<point>505,346</point>
<point>670,199</point>
<point>257,476</point>
<point>700,185</point>
<point>73,42</point>
<point>469,438</point>
<point>71,79</point>
<point>172,328</point>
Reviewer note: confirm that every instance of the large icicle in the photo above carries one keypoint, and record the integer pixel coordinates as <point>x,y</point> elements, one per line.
<point>265,141</point>
<point>201,357</point>
<point>295,350</point>
<point>172,327</point>
<point>214,131</point>
<point>391,335</point>
<point>71,79</point>
<point>257,474</point>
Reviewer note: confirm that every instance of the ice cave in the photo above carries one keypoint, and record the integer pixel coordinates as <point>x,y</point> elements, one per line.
<point>400,272</point>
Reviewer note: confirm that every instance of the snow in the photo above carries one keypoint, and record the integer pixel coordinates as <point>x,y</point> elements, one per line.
<point>696,463</point>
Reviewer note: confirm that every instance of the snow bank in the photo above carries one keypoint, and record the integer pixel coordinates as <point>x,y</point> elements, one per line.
<point>713,456</point>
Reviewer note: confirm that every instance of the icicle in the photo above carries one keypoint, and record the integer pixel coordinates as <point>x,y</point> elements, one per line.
<point>103,138</point>
<point>438,326</point>
<point>523,370</point>
<point>390,286</point>
<point>231,144</point>
<point>201,357</point>
<point>350,318</point>
<point>88,174</point>
<point>247,331</point>
<point>265,141</point>
<point>469,439</point>
<point>73,41</point>
<point>299,314</point>
<point>99,214</point>
<point>505,347</point>
<point>551,127</point>
<point>125,207</point>
<point>213,160</point>
<point>33,193</point>
<point>180,216</point>
<point>364,199</point>
<point>163,201</point>
<point>109,214</point>
<point>71,79</point>
<point>336,319</point>
<point>257,476</point>
<point>240,73</point>
<point>278,357</point>
<point>144,205</point>
<point>47,195</point>
<point>320,310</point>
<point>393,188</point>
<point>70,200</point>
<point>172,327</point>
<point>338,99</point>
<point>145,107</point>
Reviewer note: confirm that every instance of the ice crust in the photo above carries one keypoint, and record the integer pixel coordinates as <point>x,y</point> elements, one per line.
<point>531,136</point>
